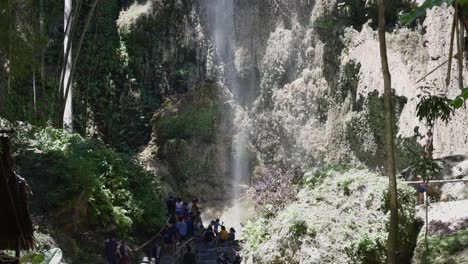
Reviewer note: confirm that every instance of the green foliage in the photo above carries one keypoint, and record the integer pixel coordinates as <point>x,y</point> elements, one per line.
<point>443,248</point>
<point>86,177</point>
<point>255,232</point>
<point>347,86</point>
<point>194,117</point>
<point>345,186</point>
<point>313,179</point>
<point>198,123</point>
<point>366,131</point>
<point>409,17</point>
<point>298,228</point>
<point>33,258</point>
<point>358,12</point>
<point>432,107</point>
<point>367,250</point>
<point>427,168</point>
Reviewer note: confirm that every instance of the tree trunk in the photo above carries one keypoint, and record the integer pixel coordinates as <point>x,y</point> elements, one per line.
<point>67,88</point>
<point>460,37</point>
<point>43,48</point>
<point>34,90</point>
<point>68,110</point>
<point>452,34</point>
<point>10,64</point>
<point>392,241</point>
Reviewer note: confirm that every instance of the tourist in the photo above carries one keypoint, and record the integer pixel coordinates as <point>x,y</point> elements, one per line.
<point>155,252</point>
<point>182,228</point>
<point>237,259</point>
<point>198,221</point>
<point>190,225</point>
<point>170,238</point>
<point>216,226</point>
<point>170,203</point>
<point>145,260</point>
<point>111,249</point>
<point>422,188</point>
<point>123,252</point>
<point>429,147</point>
<point>186,211</point>
<point>208,236</point>
<point>189,257</point>
<point>194,207</point>
<point>179,207</point>
<point>223,234</point>
<point>232,234</point>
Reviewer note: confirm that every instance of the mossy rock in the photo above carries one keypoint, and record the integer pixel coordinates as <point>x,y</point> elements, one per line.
<point>343,218</point>
<point>194,116</point>
<point>365,133</point>
<point>448,248</point>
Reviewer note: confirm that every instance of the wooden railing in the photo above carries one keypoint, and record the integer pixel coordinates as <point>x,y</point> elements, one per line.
<point>153,238</point>
<point>437,181</point>
<point>181,250</point>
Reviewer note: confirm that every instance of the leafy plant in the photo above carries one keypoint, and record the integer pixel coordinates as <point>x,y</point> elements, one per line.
<point>409,17</point>
<point>298,228</point>
<point>255,232</point>
<point>82,177</point>
<point>32,258</point>
<point>426,168</point>
<point>432,107</point>
<point>367,250</point>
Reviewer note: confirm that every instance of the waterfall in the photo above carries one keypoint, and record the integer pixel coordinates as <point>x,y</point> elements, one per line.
<point>220,18</point>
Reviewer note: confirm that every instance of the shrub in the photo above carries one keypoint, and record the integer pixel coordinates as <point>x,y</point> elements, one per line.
<point>255,232</point>
<point>298,228</point>
<point>83,179</point>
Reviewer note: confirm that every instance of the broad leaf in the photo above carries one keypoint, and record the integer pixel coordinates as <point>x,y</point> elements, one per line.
<point>458,102</point>
<point>409,17</point>
<point>53,256</point>
<point>465,93</point>
<point>33,258</point>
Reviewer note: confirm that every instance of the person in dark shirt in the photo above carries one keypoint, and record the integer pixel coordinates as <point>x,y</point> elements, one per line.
<point>209,235</point>
<point>189,257</point>
<point>170,203</point>
<point>232,234</point>
<point>111,248</point>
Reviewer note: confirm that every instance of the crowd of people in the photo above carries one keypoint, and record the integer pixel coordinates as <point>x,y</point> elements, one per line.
<point>184,223</point>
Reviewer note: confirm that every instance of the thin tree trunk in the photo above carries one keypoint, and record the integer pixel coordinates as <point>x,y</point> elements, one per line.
<point>67,90</point>
<point>70,26</point>
<point>33,53</point>
<point>426,204</point>
<point>10,64</point>
<point>34,90</point>
<point>68,108</point>
<point>452,34</point>
<point>460,30</point>
<point>43,48</point>
<point>392,241</point>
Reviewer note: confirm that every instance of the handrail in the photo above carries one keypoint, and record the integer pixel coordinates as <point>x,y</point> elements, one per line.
<point>153,238</point>
<point>176,255</point>
<point>437,181</point>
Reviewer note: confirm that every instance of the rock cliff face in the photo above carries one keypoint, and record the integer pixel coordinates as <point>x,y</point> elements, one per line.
<point>306,74</point>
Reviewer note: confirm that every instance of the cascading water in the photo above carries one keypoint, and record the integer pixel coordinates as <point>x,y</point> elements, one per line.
<point>220,18</point>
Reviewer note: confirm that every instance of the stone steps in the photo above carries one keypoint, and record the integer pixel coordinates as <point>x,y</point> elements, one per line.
<point>205,253</point>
